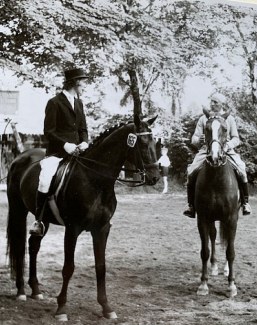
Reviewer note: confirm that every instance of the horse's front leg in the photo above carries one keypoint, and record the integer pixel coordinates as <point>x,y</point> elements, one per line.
<point>213,235</point>
<point>70,240</point>
<point>230,255</point>
<point>34,247</point>
<point>99,243</point>
<point>205,253</point>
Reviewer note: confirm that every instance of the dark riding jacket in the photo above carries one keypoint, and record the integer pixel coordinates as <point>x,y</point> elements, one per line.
<point>64,124</point>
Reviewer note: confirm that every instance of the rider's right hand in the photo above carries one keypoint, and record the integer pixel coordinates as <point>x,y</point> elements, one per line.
<point>70,148</point>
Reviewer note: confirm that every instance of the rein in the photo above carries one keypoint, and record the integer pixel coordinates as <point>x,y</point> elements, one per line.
<point>224,161</point>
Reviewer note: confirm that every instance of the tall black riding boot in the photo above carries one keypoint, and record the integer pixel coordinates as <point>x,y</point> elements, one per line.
<point>190,210</point>
<point>246,208</point>
<point>38,228</point>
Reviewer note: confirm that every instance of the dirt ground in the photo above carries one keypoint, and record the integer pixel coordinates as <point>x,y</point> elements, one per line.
<point>153,270</point>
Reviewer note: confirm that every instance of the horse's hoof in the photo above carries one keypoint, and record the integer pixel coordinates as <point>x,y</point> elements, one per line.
<point>21,298</point>
<point>111,315</point>
<point>61,318</point>
<point>203,290</point>
<point>232,291</point>
<point>214,270</point>
<point>37,297</point>
<point>226,270</point>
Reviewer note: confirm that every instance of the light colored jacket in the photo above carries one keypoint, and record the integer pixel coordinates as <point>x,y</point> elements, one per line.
<point>232,133</point>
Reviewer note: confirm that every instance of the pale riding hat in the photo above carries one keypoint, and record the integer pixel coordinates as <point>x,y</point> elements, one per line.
<point>218,97</point>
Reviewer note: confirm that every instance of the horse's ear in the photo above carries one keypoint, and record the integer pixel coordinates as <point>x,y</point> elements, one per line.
<point>226,114</point>
<point>151,121</point>
<point>206,112</point>
<point>137,120</point>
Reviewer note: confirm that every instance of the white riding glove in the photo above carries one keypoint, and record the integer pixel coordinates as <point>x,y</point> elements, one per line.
<point>83,146</point>
<point>70,148</point>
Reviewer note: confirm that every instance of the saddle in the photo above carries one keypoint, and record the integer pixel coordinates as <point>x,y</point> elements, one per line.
<point>58,184</point>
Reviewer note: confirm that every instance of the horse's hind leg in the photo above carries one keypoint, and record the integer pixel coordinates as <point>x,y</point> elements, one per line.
<point>34,247</point>
<point>205,253</point>
<point>213,235</point>
<point>16,236</point>
<point>99,242</point>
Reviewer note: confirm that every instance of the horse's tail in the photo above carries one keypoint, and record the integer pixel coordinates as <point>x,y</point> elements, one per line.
<point>223,235</point>
<point>16,232</point>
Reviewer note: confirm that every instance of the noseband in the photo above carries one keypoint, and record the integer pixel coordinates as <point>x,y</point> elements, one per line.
<point>140,171</point>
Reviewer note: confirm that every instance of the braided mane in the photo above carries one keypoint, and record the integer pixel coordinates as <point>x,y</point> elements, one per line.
<point>103,135</point>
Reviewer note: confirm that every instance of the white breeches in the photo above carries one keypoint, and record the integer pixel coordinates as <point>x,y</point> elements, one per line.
<point>233,157</point>
<point>49,167</point>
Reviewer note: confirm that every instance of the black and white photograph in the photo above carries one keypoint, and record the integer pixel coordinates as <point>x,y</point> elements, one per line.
<point>128,148</point>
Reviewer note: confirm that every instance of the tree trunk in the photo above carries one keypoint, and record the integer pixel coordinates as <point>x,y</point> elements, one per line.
<point>135,92</point>
<point>251,64</point>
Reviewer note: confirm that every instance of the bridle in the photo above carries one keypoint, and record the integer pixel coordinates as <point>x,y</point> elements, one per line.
<point>223,157</point>
<point>140,171</point>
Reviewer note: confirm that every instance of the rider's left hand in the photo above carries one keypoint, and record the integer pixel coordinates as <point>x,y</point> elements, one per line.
<point>82,146</point>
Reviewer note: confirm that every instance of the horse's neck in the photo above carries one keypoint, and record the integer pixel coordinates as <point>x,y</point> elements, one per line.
<point>220,174</point>
<point>110,154</point>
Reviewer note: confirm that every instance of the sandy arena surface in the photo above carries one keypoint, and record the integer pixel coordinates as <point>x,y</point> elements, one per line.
<point>153,270</point>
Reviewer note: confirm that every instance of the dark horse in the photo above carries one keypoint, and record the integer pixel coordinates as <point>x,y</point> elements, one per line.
<point>217,199</point>
<point>87,202</point>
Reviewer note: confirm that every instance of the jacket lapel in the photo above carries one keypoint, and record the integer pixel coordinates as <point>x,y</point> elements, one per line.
<point>66,103</point>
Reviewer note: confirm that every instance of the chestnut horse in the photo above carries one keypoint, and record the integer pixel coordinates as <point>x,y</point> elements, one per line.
<point>217,199</point>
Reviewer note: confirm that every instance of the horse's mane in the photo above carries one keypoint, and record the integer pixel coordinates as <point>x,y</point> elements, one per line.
<point>103,135</point>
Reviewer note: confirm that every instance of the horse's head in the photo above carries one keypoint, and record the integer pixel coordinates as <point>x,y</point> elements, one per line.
<point>216,138</point>
<point>143,155</point>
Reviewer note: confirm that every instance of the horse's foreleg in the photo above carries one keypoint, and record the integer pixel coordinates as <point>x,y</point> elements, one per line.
<point>99,242</point>
<point>34,247</point>
<point>205,253</point>
<point>213,235</point>
<point>20,281</point>
<point>230,255</point>
<point>70,240</point>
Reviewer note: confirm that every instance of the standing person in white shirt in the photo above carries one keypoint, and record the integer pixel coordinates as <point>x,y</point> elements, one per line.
<point>164,162</point>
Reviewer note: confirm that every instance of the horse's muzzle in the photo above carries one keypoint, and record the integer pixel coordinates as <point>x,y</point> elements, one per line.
<point>217,162</point>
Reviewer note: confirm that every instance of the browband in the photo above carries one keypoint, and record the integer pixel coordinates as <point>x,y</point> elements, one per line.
<point>143,133</point>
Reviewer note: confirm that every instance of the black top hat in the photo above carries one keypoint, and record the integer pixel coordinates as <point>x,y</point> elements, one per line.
<point>74,74</point>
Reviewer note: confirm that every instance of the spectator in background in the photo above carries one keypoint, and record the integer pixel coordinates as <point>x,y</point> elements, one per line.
<point>164,163</point>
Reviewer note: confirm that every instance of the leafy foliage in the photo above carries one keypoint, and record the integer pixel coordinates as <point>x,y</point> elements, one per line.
<point>181,152</point>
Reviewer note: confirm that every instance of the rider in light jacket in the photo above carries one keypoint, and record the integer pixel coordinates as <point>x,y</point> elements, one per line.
<point>217,103</point>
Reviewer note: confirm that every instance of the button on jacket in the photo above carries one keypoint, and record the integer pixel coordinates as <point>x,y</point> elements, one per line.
<point>64,124</point>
